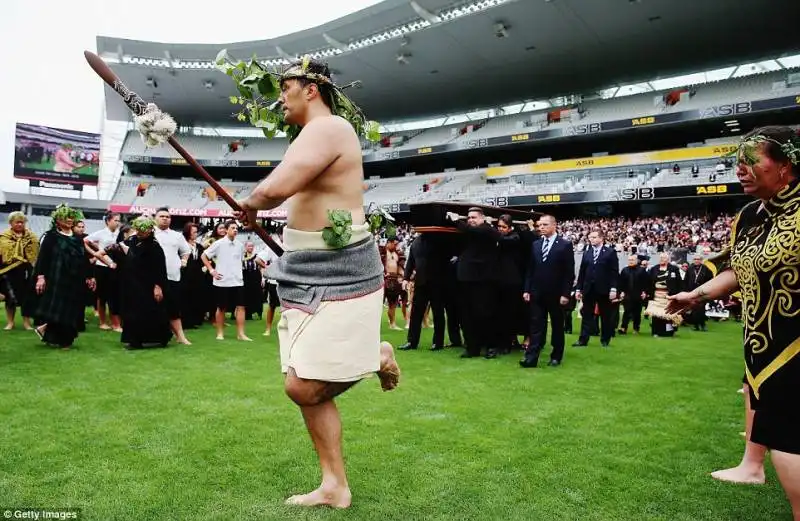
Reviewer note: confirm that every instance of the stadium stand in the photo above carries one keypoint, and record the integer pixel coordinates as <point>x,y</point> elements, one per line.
<point>748,88</point>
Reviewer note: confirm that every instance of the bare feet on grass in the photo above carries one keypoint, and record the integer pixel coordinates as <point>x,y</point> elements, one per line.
<point>743,475</point>
<point>389,372</point>
<point>335,497</point>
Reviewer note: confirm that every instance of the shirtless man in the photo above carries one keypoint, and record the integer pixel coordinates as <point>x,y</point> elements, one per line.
<point>329,335</point>
<point>393,276</point>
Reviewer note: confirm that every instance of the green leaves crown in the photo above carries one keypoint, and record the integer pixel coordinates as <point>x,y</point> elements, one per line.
<point>260,87</point>
<point>747,151</point>
<point>64,212</point>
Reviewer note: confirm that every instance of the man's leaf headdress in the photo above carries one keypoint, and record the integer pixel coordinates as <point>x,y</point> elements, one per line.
<point>260,87</point>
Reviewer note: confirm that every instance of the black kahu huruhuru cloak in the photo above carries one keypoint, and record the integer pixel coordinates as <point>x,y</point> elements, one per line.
<point>144,320</point>
<point>63,263</point>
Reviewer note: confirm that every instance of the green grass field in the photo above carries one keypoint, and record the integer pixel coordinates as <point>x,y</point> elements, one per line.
<point>206,433</point>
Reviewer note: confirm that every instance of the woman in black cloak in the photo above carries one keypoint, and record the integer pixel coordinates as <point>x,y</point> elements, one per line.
<point>145,320</point>
<point>60,275</point>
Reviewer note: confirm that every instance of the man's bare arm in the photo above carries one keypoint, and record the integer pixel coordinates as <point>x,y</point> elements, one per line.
<point>308,156</point>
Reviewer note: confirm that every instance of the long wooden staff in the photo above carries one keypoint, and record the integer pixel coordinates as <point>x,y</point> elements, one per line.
<point>138,107</point>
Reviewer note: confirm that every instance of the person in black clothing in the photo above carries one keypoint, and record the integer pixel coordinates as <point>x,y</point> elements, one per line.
<point>511,307</point>
<point>253,282</point>
<point>634,284</point>
<point>597,286</point>
<point>452,306</point>
<point>665,281</point>
<point>144,315</point>
<point>476,270</point>
<point>548,283</point>
<point>194,282</point>
<point>426,266</point>
<point>697,275</point>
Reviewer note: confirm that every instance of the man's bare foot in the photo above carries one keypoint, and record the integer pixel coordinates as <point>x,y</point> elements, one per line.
<point>743,475</point>
<point>389,372</point>
<point>105,327</point>
<point>395,327</point>
<point>220,337</point>
<point>336,498</point>
<point>9,327</point>
<point>267,332</point>
<point>184,341</point>
<point>244,338</point>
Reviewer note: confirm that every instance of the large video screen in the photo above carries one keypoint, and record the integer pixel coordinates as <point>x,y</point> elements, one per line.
<point>54,154</point>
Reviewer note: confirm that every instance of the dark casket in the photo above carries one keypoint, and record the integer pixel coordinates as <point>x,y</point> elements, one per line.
<point>432,216</point>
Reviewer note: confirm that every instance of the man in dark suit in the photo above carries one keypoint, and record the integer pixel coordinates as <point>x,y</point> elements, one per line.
<point>597,287</point>
<point>634,283</point>
<point>697,275</point>
<point>476,278</point>
<point>548,283</point>
<point>427,266</point>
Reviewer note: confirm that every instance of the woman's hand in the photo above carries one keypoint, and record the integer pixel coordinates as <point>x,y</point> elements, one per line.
<point>40,285</point>
<point>682,302</point>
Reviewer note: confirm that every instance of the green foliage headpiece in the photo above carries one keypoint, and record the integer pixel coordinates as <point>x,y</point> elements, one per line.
<point>748,149</point>
<point>143,224</point>
<point>260,87</point>
<point>64,212</point>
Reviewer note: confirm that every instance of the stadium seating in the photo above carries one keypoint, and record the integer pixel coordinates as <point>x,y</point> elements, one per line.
<point>748,88</point>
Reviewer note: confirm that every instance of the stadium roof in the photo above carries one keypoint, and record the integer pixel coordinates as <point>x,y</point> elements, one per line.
<point>476,54</point>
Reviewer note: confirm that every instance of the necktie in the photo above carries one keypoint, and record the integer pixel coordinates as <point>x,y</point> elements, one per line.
<point>596,254</point>
<point>545,249</point>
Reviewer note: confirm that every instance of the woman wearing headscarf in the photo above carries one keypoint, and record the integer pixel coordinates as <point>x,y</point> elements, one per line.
<point>19,248</point>
<point>763,262</point>
<point>145,320</point>
<point>61,273</point>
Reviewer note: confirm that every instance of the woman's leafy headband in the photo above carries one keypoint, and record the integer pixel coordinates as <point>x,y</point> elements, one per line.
<point>64,212</point>
<point>747,151</point>
<point>143,224</point>
<point>260,90</point>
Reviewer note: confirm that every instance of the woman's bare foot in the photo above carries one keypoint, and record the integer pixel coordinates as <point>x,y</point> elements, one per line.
<point>184,341</point>
<point>336,498</point>
<point>9,327</point>
<point>389,372</point>
<point>743,475</point>
<point>40,331</point>
<point>244,338</point>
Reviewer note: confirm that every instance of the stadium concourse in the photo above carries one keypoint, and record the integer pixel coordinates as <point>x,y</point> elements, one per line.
<point>603,137</point>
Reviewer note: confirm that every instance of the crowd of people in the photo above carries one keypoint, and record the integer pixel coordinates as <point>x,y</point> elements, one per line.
<point>194,293</point>
<point>500,279</point>
<point>141,279</point>
<point>650,235</point>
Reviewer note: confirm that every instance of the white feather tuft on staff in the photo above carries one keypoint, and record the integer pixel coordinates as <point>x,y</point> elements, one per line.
<point>155,127</point>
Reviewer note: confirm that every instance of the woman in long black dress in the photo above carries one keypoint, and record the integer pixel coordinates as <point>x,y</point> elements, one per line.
<point>253,282</point>
<point>194,282</point>
<point>60,274</point>
<point>144,317</point>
